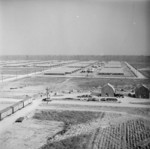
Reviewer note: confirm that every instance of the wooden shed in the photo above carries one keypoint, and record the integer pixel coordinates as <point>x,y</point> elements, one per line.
<point>142,91</point>
<point>108,90</point>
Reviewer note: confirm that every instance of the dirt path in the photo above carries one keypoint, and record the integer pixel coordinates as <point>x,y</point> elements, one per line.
<point>92,103</point>
<point>8,121</point>
<point>22,76</point>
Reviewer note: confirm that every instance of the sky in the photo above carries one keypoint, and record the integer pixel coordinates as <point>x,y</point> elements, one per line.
<point>74,27</point>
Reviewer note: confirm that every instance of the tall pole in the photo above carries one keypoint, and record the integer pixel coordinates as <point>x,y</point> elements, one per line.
<point>47,92</point>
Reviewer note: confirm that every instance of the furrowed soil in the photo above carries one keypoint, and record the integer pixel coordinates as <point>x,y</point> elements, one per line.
<point>94,130</point>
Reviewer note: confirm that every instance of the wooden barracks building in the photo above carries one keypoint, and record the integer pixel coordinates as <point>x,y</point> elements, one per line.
<point>142,91</point>
<point>108,90</point>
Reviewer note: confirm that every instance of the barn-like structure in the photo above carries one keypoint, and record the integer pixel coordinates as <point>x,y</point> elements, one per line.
<point>108,90</point>
<point>142,91</point>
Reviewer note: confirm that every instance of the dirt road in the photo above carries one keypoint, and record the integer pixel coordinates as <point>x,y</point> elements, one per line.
<point>22,76</point>
<point>93,103</point>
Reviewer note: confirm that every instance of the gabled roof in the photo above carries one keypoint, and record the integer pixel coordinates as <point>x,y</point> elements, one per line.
<point>145,86</point>
<point>108,84</point>
<point>142,85</point>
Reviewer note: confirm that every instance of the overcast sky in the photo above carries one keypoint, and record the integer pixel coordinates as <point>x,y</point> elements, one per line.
<point>93,27</point>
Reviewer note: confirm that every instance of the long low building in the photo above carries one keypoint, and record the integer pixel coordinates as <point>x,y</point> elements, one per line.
<point>61,71</point>
<point>81,64</point>
<point>111,71</point>
<point>113,64</point>
<point>78,65</point>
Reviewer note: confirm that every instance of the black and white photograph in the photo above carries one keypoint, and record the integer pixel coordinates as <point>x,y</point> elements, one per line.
<point>74,74</point>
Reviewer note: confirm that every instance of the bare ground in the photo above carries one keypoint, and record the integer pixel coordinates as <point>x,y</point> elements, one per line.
<point>35,133</point>
<point>29,134</point>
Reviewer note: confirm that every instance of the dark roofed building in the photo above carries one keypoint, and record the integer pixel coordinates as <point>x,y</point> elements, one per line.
<point>142,91</point>
<point>108,90</point>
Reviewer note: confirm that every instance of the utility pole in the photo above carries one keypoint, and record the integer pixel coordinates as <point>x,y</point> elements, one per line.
<point>47,92</point>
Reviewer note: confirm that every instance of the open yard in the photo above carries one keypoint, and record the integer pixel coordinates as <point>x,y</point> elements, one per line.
<point>146,72</point>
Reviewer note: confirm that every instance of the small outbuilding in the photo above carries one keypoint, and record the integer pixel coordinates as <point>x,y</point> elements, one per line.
<point>142,91</point>
<point>108,90</point>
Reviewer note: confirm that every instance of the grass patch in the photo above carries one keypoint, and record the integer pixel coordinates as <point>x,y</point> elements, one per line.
<point>78,142</point>
<point>146,73</point>
<point>68,117</point>
<point>142,65</point>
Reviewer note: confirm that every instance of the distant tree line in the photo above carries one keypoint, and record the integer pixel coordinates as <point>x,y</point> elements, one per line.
<point>131,58</point>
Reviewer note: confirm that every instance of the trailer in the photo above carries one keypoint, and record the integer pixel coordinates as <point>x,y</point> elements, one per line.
<point>17,106</point>
<point>5,112</point>
<point>27,102</point>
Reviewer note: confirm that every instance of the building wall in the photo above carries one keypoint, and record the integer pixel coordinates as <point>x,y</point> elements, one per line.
<point>141,92</point>
<point>107,91</point>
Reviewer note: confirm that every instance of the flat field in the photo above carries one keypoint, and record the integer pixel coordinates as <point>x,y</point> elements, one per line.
<point>20,70</point>
<point>146,73</point>
<point>140,65</point>
<point>143,67</point>
<point>75,126</point>
<point>37,84</point>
